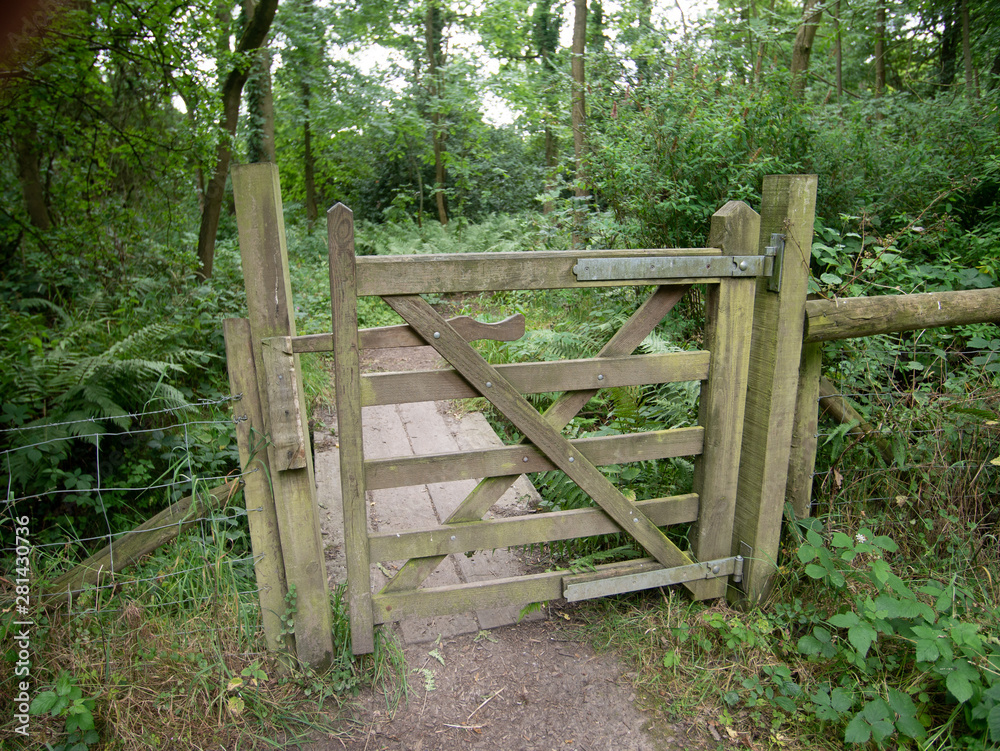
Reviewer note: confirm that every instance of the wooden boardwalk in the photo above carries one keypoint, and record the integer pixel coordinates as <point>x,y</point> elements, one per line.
<point>410,430</point>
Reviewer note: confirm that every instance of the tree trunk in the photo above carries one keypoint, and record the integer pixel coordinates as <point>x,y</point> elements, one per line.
<point>260,111</point>
<point>30,175</point>
<point>433,30</point>
<point>839,52</point>
<point>949,45</point>
<point>812,13</point>
<point>232,89</point>
<point>579,110</point>
<point>970,82</point>
<point>545,34</point>
<point>309,166</point>
<point>550,168</point>
<point>879,47</point>
<point>761,49</point>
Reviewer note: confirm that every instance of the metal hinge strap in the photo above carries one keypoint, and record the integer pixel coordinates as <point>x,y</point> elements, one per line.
<point>668,267</point>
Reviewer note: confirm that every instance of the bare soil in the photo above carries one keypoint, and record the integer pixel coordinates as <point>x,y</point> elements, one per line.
<point>530,687</point>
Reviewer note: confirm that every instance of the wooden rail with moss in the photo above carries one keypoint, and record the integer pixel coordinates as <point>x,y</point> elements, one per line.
<point>144,539</point>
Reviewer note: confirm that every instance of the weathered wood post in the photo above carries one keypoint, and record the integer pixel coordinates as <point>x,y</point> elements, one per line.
<point>262,517</point>
<point>728,318</point>
<point>347,383</point>
<point>272,320</point>
<point>802,460</point>
<point>788,206</point>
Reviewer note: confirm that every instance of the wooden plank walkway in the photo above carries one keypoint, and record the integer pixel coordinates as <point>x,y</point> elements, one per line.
<point>411,430</point>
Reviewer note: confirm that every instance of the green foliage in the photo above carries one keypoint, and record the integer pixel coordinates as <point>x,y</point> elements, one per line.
<point>669,153</point>
<point>926,632</point>
<point>65,699</point>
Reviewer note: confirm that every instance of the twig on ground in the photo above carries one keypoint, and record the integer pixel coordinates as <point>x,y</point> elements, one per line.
<point>485,701</point>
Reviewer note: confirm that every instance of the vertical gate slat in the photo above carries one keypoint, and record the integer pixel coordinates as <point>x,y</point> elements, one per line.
<point>347,386</point>
<point>262,517</point>
<point>802,461</point>
<point>728,320</point>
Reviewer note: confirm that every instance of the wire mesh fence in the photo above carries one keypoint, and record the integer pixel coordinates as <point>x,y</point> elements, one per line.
<point>175,614</point>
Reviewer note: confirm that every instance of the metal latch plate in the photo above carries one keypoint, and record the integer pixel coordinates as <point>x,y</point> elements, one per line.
<point>667,267</point>
<point>585,587</point>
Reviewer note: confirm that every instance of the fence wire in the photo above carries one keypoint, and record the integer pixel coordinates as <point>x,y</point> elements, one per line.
<point>195,595</point>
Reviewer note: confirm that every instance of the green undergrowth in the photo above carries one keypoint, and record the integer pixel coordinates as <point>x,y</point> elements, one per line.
<point>884,627</point>
<point>173,656</point>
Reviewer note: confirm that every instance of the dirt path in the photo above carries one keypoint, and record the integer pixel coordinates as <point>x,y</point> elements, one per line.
<point>530,687</point>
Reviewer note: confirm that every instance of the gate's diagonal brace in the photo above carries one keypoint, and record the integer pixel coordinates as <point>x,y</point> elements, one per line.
<point>558,415</point>
<point>485,379</point>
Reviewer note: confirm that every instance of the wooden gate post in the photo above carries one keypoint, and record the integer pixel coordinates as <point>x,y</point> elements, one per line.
<point>262,518</point>
<point>788,207</point>
<point>802,460</point>
<point>261,229</point>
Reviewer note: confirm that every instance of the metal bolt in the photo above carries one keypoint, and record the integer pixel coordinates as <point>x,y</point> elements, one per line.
<point>636,520</point>
<point>744,265</point>
<point>571,460</point>
<point>525,460</point>
<point>437,334</point>
<point>489,385</point>
<point>453,537</point>
<point>715,569</point>
<point>600,377</point>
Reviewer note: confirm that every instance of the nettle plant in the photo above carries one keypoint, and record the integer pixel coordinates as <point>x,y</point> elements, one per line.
<point>913,661</point>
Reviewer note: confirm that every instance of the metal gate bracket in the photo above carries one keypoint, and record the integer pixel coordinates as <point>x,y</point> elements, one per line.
<point>774,255</point>
<point>667,267</point>
<point>586,587</point>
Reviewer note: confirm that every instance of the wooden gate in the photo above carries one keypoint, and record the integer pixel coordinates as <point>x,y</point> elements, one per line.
<point>755,304</point>
<point>730,280</point>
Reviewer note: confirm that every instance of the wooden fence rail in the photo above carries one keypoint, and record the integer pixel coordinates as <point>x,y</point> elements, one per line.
<point>855,317</point>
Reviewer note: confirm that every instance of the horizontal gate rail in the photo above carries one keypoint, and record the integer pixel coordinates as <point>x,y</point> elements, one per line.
<point>493,272</point>
<point>396,472</point>
<point>537,377</point>
<point>583,587</point>
<point>493,534</point>
<point>505,592</point>
<point>508,330</point>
